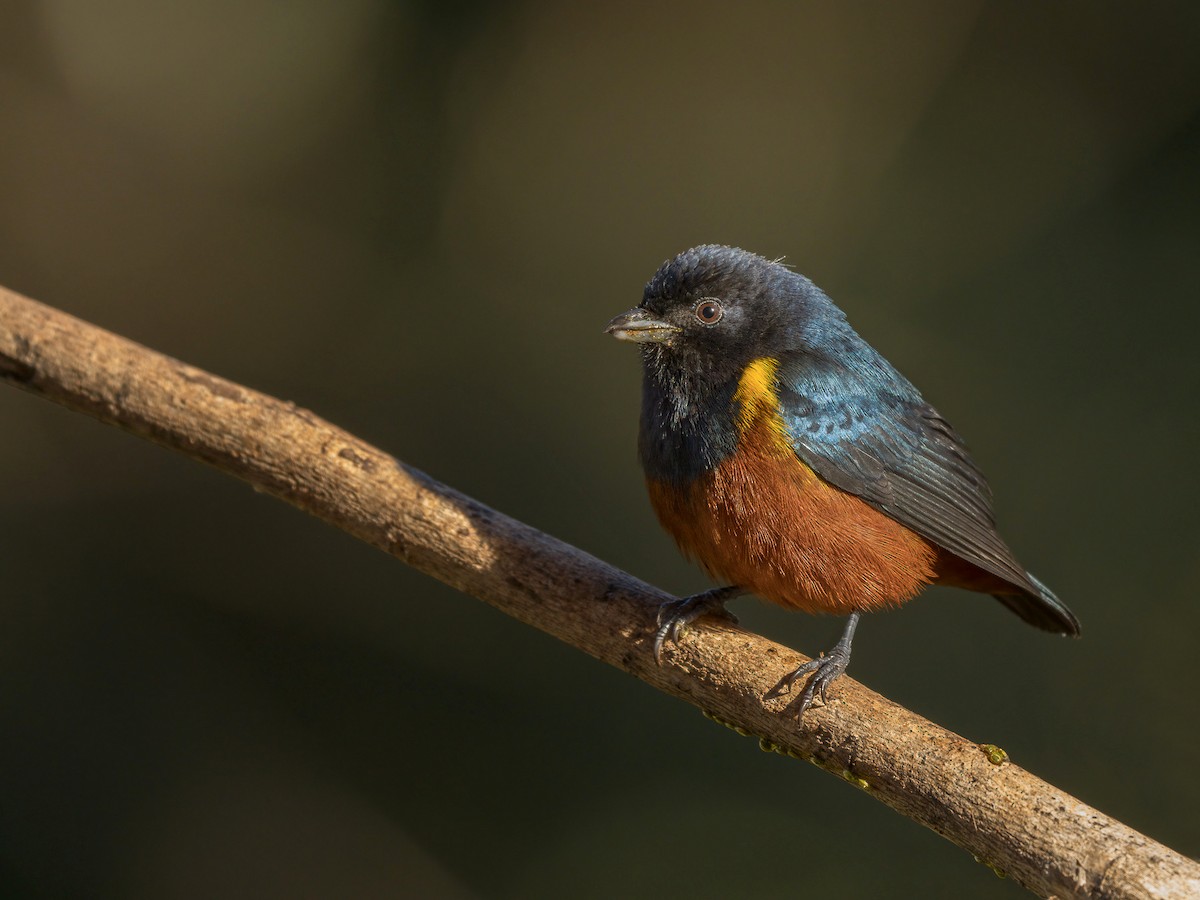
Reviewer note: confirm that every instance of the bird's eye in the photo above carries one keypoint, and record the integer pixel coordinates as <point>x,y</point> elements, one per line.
<point>709,312</point>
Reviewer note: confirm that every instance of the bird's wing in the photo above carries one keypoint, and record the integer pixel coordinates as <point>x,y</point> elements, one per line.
<point>892,449</point>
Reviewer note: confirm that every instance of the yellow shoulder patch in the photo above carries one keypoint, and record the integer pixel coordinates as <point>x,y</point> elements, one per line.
<point>757,400</point>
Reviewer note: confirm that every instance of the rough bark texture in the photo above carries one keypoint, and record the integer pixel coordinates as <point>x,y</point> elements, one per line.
<point>971,794</point>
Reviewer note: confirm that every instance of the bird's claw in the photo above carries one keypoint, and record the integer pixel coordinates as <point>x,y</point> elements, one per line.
<point>821,672</point>
<point>675,615</point>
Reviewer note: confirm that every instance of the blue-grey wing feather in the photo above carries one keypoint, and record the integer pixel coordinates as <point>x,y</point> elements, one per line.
<point>892,449</point>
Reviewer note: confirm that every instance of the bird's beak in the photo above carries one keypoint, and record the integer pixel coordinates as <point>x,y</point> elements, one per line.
<point>640,327</point>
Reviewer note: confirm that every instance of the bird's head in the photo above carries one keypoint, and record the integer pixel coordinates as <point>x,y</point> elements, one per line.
<point>711,310</point>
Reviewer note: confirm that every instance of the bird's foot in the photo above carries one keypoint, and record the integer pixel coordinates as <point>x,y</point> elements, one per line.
<point>821,672</point>
<point>824,670</point>
<point>675,615</point>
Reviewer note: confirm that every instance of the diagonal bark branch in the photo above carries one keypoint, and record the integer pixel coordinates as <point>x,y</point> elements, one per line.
<point>1014,822</point>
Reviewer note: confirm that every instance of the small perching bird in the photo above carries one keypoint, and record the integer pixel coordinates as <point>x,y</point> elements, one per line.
<point>792,461</point>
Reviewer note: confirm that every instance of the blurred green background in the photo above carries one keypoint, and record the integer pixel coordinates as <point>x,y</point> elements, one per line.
<point>415,219</point>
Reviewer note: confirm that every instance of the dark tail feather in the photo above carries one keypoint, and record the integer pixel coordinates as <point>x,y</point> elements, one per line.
<point>1042,609</point>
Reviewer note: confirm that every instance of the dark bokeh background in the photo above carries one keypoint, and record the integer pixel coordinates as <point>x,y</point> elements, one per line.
<point>415,220</point>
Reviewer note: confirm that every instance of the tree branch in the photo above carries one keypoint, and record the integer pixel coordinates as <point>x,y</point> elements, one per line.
<point>970,794</point>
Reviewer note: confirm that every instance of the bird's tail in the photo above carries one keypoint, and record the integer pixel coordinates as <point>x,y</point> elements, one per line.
<point>1041,609</point>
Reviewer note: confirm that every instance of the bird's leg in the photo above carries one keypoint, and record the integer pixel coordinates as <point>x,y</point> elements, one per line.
<point>824,670</point>
<point>675,615</point>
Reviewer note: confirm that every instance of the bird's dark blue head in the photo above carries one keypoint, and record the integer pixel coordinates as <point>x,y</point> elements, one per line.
<point>717,325</point>
<point>712,310</point>
<point>727,335</point>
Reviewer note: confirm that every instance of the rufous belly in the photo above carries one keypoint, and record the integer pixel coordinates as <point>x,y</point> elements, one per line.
<point>767,522</point>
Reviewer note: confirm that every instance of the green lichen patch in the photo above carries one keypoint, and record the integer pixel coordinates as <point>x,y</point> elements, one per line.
<point>995,755</point>
<point>855,780</point>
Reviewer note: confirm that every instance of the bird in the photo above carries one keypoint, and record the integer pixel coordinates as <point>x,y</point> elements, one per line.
<point>789,459</point>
